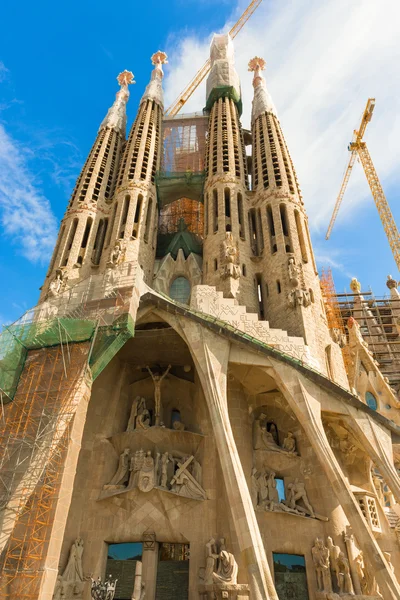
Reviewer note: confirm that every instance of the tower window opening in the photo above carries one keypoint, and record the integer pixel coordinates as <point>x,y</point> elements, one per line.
<point>271,229</point>
<point>285,228</point>
<point>227,198</point>
<point>206,214</point>
<point>114,213</point>
<point>56,249</point>
<point>260,298</point>
<point>311,292</point>
<point>260,235</point>
<point>148,220</point>
<point>138,211</point>
<point>241,216</point>
<point>278,286</point>
<point>244,270</point>
<point>266,290</point>
<point>300,235</point>
<point>71,238</point>
<point>124,217</point>
<point>87,232</point>
<point>253,231</point>
<point>215,210</point>
<point>263,155</point>
<point>215,264</point>
<point>99,241</point>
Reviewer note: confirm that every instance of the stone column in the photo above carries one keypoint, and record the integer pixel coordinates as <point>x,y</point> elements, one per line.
<point>210,354</point>
<point>308,411</point>
<point>378,444</point>
<point>149,560</point>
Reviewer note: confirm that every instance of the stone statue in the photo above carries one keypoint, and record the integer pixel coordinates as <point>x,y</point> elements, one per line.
<point>297,491</point>
<point>293,272</point>
<point>146,476</point>
<point>138,406</point>
<point>135,466</point>
<point>334,552</point>
<point>178,426</point>
<point>157,379</point>
<point>164,469</point>
<point>262,438</point>
<point>121,477</point>
<point>211,557</point>
<point>59,283</point>
<point>143,420</point>
<point>227,568</point>
<point>255,486</point>
<point>230,264</point>
<point>289,443</point>
<point>355,286</point>
<point>71,582</point>
<point>320,554</point>
<point>344,577</point>
<point>117,254</point>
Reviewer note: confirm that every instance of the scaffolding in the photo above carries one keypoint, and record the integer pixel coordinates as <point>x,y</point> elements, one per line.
<point>333,313</point>
<point>377,317</point>
<point>44,359</point>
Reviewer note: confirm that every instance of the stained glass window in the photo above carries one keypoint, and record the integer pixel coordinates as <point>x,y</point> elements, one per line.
<point>371,401</point>
<point>180,290</point>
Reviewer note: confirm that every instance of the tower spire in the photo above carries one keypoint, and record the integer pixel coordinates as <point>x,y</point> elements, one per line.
<point>154,89</point>
<point>262,101</point>
<point>116,115</point>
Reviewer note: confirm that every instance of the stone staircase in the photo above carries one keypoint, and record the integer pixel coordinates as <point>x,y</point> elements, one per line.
<point>208,300</point>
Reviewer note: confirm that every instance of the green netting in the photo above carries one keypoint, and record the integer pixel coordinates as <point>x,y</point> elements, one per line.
<point>224,92</point>
<point>108,341</point>
<point>174,185</point>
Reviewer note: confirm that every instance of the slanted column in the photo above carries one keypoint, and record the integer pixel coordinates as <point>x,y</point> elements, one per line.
<point>210,354</point>
<point>307,409</point>
<point>378,444</point>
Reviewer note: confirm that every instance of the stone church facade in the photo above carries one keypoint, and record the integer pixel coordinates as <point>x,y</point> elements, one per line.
<point>207,441</point>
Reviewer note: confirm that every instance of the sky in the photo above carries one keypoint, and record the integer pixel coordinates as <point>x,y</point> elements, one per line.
<point>58,69</point>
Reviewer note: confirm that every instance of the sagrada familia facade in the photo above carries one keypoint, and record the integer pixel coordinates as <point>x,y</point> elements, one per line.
<point>179,421</point>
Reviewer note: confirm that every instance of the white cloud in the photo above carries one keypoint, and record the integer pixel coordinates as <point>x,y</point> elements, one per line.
<point>25,214</point>
<point>324,59</point>
<point>3,71</point>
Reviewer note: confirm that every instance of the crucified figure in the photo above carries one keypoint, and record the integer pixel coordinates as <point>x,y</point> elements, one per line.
<point>157,379</point>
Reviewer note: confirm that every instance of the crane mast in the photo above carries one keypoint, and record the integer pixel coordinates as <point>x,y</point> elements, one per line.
<point>205,69</point>
<point>358,147</point>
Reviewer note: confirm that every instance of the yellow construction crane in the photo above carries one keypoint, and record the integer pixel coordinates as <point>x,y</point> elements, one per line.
<point>357,146</point>
<point>200,75</point>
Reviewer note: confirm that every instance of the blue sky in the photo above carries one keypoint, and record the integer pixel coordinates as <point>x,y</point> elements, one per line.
<point>58,64</point>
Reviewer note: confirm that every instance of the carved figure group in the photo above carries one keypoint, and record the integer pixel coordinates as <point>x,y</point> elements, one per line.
<point>117,254</point>
<point>179,474</point>
<point>330,557</point>
<point>103,590</point>
<point>265,495</point>
<point>71,583</point>
<point>59,283</point>
<point>140,416</point>
<point>221,566</point>
<point>267,439</point>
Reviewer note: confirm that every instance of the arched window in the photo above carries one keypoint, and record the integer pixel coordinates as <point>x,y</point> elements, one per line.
<point>175,417</point>
<point>371,401</point>
<point>180,290</point>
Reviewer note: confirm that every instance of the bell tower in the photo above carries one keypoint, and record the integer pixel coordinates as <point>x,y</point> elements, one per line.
<point>84,228</point>
<point>134,213</point>
<point>226,231</point>
<point>288,285</point>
